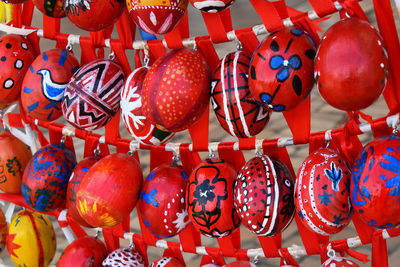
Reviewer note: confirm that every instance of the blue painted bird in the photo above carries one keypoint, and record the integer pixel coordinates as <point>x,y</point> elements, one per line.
<point>51,89</point>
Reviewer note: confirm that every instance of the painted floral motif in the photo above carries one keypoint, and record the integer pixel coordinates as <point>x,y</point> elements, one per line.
<point>277,62</point>
<point>335,175</point>
<point>13,166</point>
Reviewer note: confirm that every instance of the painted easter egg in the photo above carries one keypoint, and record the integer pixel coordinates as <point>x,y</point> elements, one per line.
<point>236,109</point>
<point>45,82</point>
<point>84,251</point>
<point>322,192</point>
<point>14,1</point>
<point>281,70</point>
<point>73,185</point>
<point>109,190</point>
<point>162,199</point>
<point>131,109</point>
<point>14,156</point>
<point>156,17</point>
<point>92,96</point>
<point>241,264</point>
<point>45,179</point>
<point>167,262</point>
<point>51,8</point>
<point>16,55</point>
<point>339,262</point>
<point>210,198</point>
<point>211,6</point>
<point>375,186</point>
<point>31,240</point>
<point>351,65</point>
<point>85,13</point>
<point>3,231</point>
<point>264,196</point>
<point>176,90</point>
<point>127,257</point>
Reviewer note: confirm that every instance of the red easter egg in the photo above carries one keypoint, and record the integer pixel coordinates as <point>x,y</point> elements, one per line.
<point>92,96</point>
<point>176,90</point>
<point>236,109</point>
<point>211,6</point>
<point>322,192</point>
<point>339,262</point>
<point>93,15</point>
<point>73,186</point>
<point>45,180</point>
<point>45,82</point>
<point>156,17</point>
<point>109,190</point>
<point>131,109</point>
<point>210,198</point>
<point>126,257</point>
<point>16,55</point>
<point>241,264</point>
<point>84,251</point>
<point>162,199</point>
<point>281,70</point>
<point>351,65</point>
<point>167,262</point>
<point>3,231</point>
<point>14,156</point>
<point>51,8</point>
<point>264,196</point>
<point>14,1</point>
<point>375,184</point>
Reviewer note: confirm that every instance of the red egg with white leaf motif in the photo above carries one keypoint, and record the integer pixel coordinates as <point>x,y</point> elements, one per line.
<point>167,262</point>
<point>264,196</point>
<point>210,198</point>
<point>211,6</point>
<point>339,262</point>
<point>157,16</point>
<point>322,196</point>
<point>282,69</point>
<point>127,257</point>
<point>131,109</point>
<point>162,200</point>
<point>236,109</point>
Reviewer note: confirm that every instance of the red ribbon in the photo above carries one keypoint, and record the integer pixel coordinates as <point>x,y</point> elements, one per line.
<point>379,251</point>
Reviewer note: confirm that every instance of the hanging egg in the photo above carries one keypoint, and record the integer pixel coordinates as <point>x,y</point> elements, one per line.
<point>45,179</point>
<point>176,90</point>
<point>281,70</point>
<point>3,231</point>
<point>211,6</point>
<point>167,262</point>
<point>84,251</point>
<point>45,82</point>
<point>131,109</point>
<point>322,192</point>
<point>162,199</point>
<point>14,1</point>
<point>31,240</point>
<point>51,8</point>
<point>264,196</point>
<point>157,17</point>
<point>73,185</point>
<point>375,184</point>
<point>93,15</point>
<point>14,156</point>
<point>16,55</point>
<point>351,65</point>
<point>339,262</point>
<point>241,264</point>
<point>236,109</point>
<point>126,257</point>
<point>210,198</point>
<point>109,190</point>
<point>93,94</point>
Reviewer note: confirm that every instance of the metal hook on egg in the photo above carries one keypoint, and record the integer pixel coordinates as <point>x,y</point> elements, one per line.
<point>111,56</point>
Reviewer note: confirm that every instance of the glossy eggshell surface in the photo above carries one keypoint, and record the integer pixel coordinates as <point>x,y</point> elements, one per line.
<point>83,252</point>
<point>375,184</point>
<point>167,262</point>
<point>126,257</point>
<point>282,69</point>
<point>240,264</point>
<point>31,240</point>
<point>45,179</point>
<point>93,94</point>
<point>157,16</point>
<point>351,65</point>
<point>45,82</point>
<point>264,196</point>
<point>236,109</point>
<point>16,55</point>
<point>322,192</point>
<point>339,262</point>
<point>210,198</point>
<point>51,8</point>
<point>109,191</point>
<point>176,90</point>
<point>211,6</point>
<point>132,114</point>
<point>14,156</point>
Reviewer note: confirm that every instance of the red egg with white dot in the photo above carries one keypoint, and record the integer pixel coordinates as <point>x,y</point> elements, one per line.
<point>339,262</point>
<point>167,262</point>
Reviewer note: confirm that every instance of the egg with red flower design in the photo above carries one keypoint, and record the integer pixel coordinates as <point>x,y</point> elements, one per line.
<point>167,262</point>
<point>322,196</point>
<point>127,257</point>
<point>211,6</point>
<point>339,262</point>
